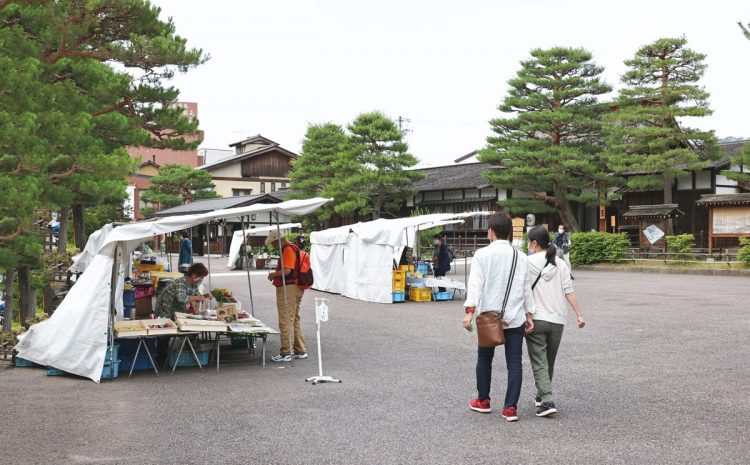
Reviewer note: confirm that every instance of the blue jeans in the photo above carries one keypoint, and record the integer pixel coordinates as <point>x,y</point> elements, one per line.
<point>513,350</point>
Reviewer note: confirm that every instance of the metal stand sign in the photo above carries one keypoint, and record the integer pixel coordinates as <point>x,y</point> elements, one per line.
<point>321,314</point>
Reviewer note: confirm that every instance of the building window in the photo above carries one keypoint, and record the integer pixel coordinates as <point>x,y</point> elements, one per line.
<point>283,185</point>
<point>262,188</point>
<point>273,187</point>
<point>239,192</point>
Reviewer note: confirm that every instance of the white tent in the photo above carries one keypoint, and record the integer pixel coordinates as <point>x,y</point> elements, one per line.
<point>238,237</point>
<point>356,261</point>
<point>74,339</point>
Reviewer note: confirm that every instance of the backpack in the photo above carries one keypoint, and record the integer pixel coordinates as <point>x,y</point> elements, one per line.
<point>450,254</point>
<point>303,271</point>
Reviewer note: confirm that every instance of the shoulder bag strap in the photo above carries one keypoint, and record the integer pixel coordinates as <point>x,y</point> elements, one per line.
<point>540,275</point>
<point>510,281</point>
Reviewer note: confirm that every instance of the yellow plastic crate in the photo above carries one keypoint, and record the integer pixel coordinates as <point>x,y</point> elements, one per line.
<point>420,294</point>
<point>399,285</point>
<point>409,268</point>
<point>143,267</point>
<point>399,274</point>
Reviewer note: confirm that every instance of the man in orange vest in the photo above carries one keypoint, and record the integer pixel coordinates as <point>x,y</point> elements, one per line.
<point>289,316</point>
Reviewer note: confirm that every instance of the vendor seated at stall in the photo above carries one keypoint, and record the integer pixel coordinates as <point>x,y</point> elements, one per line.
<point>182,292</point>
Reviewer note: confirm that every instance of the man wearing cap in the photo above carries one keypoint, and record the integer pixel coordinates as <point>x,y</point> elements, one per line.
<point>289,316</point>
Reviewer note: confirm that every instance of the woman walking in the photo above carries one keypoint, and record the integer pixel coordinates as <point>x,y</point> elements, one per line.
<point>552,288</point>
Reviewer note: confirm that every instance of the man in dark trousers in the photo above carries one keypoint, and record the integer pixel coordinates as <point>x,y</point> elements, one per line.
<point>440,258</point>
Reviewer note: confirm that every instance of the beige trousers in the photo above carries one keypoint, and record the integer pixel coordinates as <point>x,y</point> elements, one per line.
<point>290,320</point>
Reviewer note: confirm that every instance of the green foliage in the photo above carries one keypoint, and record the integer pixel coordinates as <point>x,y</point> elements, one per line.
<point>364,171</point>
<point>740,159</point>
<point>680,247</point>
<point>744,253</point>
<point>597,247</point>
<point>177,185</point>
<point>645,133</point>
<point>548,142</point>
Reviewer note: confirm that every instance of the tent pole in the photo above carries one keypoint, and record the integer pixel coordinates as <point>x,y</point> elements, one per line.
<point>208,254</point>
<point>112,311</point>
<point>247,268</point>
<point>283,284</point>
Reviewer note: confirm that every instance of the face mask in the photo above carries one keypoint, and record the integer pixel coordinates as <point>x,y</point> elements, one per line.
<point>560,230</point>
<point>198,282</point>
<point>436,242</point>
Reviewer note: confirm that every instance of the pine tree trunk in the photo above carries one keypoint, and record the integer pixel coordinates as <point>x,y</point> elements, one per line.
<point>25,310</point>
<point>378,206</point>
<point>48,296</point>
<point>566,214</point>
<point>10,275</point>
<point>62,239</point>
<point>79,226</point>
<point>668,181</point>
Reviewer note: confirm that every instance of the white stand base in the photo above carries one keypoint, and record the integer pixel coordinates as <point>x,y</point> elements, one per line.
<point>323,379</point>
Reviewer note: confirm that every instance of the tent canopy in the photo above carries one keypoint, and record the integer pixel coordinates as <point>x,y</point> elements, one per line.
<point>74,338</point>
<point>356,260</point>
<point>238,238</point>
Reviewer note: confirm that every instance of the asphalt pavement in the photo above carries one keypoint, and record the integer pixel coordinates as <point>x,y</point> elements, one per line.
<point>658,376</point>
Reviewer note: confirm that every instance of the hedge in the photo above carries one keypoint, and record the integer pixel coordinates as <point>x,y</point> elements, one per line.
<point>680,247</point>
<point>744,253</point>
<point>597,247</point>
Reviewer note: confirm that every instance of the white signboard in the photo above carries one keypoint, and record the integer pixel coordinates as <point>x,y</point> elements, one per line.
<point>653,233</point>
<point>731,220</point>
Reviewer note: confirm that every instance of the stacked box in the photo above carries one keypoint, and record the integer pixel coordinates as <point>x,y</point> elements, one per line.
<point>23,363</point>
<point>186,357</point>
<point>420,294</point>
<point>399,280</point>
<point>399,296</point>
<point>442,296</point>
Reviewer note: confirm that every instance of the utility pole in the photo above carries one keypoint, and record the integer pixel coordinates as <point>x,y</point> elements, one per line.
<point>402,125</point>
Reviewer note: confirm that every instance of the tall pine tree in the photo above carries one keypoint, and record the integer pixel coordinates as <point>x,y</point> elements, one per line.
<point>647,137</point>
<point>742,159</point>
<point>548,143</point>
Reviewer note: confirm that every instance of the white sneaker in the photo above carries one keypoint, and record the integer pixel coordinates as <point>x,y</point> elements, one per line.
<point>300,355</point>
<point>281,358</point>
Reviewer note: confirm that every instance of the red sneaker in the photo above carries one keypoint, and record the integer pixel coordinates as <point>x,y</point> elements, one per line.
<point>482,406</point>
<point>510,414</point>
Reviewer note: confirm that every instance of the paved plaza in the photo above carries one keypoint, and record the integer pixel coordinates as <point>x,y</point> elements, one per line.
<point>658,376</point>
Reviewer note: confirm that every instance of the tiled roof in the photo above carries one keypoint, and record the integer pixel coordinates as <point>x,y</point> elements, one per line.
<point>668,210</point>
<point>209,205</point>
<point>244,156</point>
<point>723,199</point>
<point>466,176</point>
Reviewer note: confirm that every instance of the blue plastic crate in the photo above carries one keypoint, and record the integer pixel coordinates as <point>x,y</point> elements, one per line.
<point>399,296</point>
<point>23,363</point>
<point>442,296</point>
<point>52,371</point>
<point>186,358</point>
<point>108,373</point>
<point>422,268</point>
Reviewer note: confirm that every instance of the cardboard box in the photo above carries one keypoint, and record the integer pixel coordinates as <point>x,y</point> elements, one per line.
<point>130,328</point>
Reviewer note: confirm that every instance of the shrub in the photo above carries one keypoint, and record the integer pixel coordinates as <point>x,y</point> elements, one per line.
<point>744,253</point>
<point>597,247</point>
<point>680,246</point>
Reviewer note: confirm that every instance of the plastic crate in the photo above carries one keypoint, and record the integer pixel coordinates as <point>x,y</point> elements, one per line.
<point>420,294</point>
<point>52,371</point>
<point>108,373</point>
<point>405,268</point>
<point>23,363</point>
<point>399,296</point>
<point>422,268</point>
<point>237,340</point>
<point>116,353</point>
<point>399,286</point>
<point>186,358</point>
<point>442,296</point>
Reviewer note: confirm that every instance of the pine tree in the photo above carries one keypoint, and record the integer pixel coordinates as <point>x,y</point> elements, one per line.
<point>645,134</point>
<point>547,144</point>
<point>383,177</point>
<point>319,163</point>
<point>742,158</point>
<point>177,185</point>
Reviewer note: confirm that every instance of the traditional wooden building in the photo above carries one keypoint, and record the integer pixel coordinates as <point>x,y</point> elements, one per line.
<point>686,191</point>
<point>258,166</point>
<point>728,219</point>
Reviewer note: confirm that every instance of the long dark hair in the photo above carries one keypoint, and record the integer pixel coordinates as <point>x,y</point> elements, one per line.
<point>541,236</point>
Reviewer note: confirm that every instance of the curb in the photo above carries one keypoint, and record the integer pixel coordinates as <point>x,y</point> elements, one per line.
<point>647,269</point>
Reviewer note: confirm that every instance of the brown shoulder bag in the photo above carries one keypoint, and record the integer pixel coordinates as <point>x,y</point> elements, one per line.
<point>490,324</point>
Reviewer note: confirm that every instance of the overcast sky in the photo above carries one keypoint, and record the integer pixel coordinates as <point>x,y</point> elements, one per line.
<point>278,65</point>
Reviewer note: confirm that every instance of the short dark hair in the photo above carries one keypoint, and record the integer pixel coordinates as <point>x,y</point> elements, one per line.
<point>500,224</point>
<point>198,269</point>
<point>438,236</point>
<point>185,234</point>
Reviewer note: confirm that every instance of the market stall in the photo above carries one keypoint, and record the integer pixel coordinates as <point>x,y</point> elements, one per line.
<point>239,237</point>
<point>357,261</point>
<point>77,336</point>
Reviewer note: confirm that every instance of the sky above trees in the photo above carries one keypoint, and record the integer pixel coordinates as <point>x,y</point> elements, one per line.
<point>278,66</point>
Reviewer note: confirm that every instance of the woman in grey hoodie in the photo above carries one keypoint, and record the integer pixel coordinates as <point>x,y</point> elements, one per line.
<point>553,291</point>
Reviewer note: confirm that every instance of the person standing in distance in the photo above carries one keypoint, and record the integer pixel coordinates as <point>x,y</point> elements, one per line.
<point>440,259</point>
<point>288,314</point>
<point>186,252</point>
<point>562,244</point>
<point>490,272</point>
<point>553,291</point>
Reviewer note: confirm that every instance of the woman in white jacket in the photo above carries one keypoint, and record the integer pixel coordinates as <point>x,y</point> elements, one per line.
<point>552,288</point>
